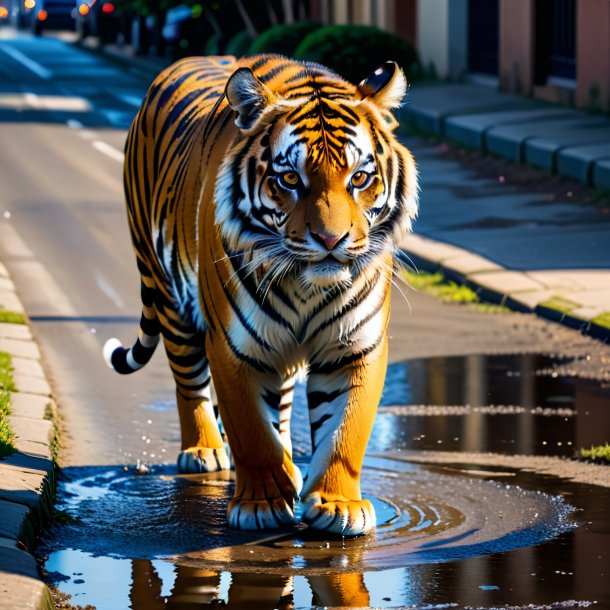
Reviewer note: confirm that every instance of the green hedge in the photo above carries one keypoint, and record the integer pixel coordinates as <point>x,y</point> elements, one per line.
<point>283,39</point>
<point>354,51</point>
<point>212,45</point>
<point>239,45</point>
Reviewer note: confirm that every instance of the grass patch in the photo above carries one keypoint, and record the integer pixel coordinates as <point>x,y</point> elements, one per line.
<point>449,291</point>
<point>11,317</point>
<point>602,320</point>
<point>560,304</point>
<point>52,415</point>
<point>599,454</point>
<point>7,438</point>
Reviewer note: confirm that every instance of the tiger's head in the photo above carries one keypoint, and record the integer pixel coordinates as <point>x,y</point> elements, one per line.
<point>315,183</point>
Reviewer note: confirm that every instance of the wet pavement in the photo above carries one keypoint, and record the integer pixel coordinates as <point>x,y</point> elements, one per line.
<point>458,536</point>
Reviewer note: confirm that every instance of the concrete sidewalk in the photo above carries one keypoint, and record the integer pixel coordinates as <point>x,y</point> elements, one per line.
<point>527,249</point>
<point>27,483</point>
<point>550,258</point>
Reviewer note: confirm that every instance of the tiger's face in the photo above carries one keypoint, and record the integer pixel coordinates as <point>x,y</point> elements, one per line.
<point>323,185</point>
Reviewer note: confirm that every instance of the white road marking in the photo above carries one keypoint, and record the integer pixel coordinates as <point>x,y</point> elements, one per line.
<point>105,286</point>
<point>32,99</point>
<point>28,63</point>
<point>132,100</point>
<point>108,150</point>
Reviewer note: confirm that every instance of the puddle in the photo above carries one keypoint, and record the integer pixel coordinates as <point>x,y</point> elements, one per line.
<point>166,533</point>
<point>446,537</point>
<point>527,404</point>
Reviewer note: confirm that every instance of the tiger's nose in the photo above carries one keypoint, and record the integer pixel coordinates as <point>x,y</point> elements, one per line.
<point>330,240</point>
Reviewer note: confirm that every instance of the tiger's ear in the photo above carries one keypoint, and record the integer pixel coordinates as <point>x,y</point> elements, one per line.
<point>386,86</point>
<point>248,96</point>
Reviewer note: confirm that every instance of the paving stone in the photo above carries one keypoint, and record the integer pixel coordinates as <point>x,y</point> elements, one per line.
<point>531,299</point>
<point>429,105</point>
<point>31,429</point>
<point>15,331</point>
<point>506,282</point>
<point>544,152</point>
<point>28,367</point>
<point>590,311</point>
<point>30,464</point>
<point>16,561</point>
<point>6,284</point>
<point>432,250</point>
<point>601,174</point>
<point>21,486</point>
<point>544,137</point>
<point>590,298</point>
<point>19,592</point>
<point>42,450</point>
<point>470,130</point>
<point>9,301</point>
<point>556,279</point>
<point>21,349</point>
<point>577,162</point>
<point>467,264</point>
<point>13,519</point>
<point>32,385</point>
<point>29,405</point>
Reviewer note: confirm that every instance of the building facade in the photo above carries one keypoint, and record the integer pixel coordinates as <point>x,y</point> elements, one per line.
<point>553,50</point>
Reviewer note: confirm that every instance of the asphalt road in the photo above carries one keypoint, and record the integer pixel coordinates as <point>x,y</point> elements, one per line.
<point>63,236</point>
<point>64,113</point>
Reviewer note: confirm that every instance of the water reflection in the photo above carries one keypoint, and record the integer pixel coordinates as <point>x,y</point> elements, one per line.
<point>512,404</point>
<point>194,588</point>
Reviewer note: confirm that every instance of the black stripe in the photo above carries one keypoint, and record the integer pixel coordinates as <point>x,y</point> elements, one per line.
<point>325,368</point>
<point>315,399</point>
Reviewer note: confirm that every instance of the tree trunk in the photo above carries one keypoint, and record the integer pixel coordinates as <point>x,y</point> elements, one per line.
<point>288,11</point>
<point>247,21</point>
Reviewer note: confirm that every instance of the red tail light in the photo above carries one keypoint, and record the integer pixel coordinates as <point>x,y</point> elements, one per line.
<point>108,8</point>
<point>42,15</point>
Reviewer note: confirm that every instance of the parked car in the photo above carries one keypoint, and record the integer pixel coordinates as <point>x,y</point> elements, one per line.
<point>98,18</point>
<point>4,14</point>
<point>52,15</point>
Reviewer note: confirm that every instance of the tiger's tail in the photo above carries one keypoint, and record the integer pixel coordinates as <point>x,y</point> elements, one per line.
<point>128,360</point>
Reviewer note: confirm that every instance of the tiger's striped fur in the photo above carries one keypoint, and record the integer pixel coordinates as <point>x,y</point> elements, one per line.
<point>265,199</point>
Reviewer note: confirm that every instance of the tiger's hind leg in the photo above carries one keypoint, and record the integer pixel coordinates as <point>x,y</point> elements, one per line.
<point>203,448</point>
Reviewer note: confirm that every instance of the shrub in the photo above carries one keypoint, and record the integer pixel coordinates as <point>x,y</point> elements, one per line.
<point>212,46</point>
<point>283,39</point>
<point>354,51</point>
<point>239,45</point>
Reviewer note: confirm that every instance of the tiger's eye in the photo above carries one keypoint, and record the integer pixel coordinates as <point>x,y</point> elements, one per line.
<point>289,179</point>
<point>359,179</point>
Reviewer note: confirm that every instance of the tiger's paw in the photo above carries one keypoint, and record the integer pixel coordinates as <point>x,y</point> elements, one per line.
<point>260,514</point>
<point>339,516</point>
<point>203,459</point>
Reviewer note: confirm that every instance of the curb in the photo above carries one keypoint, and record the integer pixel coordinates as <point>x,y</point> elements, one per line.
<point>554,295</point>
<point>27,477</point>
<point>559,140</point>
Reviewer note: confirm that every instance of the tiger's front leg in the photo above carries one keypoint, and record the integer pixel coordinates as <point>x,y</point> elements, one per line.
<point>342,408</point>
<point>266,479</point>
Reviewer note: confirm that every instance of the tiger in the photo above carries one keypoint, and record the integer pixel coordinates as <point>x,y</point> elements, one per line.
<point>266,198</point>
